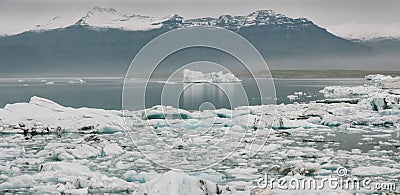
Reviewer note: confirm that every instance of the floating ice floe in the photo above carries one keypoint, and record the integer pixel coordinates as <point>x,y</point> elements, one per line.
<point>190,76</point>
<point>168,82</point>
<point>391,83</point>
<point>42,116</point>
<point>284,123</point>
<point>69,178</point>
<point>383,81</point>
<point>141,177</point>
<point>165,112</point>
<point>375,78</point>
<point>179,183</point>
<point>374,171</point>
<point>91,146</point>
<point>345,92</point>
<point>292,97</point>
<point>76,81</point>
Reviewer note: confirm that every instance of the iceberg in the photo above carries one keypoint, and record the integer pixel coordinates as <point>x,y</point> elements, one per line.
<point>142,177</point>
<point>375,78</point>
<point>40,116</point>
<point>191,76</point>
<point>76,81</point>
<point>67,178</point>
<point>23,181</point>
<point>384,81</point>
<point>390,83</point>
<point>345,92</point>
<point>374,171</point>
<point>165,112</point>
<point>79,178</point>
<point>283,123</point>
<point>90,147</point>
<point>179,183</point>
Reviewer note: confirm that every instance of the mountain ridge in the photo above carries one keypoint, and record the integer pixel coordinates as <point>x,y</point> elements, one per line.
<point>100,17</point>
<point>88,47</point>
<point>109,17</point>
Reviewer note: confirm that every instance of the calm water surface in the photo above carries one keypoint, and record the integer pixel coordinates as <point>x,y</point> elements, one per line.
<point>107,93</point>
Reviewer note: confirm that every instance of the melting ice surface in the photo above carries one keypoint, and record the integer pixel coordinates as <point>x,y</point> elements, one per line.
<point>49,148</point>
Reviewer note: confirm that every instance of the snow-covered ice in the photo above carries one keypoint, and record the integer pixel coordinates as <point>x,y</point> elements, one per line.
<point>178,183</point>
<point>374,171</point>
<point>375,78</point>
<point>76,81</point>
<point>390,83</point>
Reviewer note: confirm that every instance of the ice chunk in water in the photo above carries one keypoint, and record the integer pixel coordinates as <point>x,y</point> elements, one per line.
<point>374,171</point>
<point>23,181</point>
<point>165,112</point>
<point>390,83</point>
<point>178,183</point>
<point>133,176</point>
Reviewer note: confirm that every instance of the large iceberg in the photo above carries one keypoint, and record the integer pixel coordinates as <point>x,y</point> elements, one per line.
<point>383,81</point>
<point>191,76</point>
<point>375,78</point>
<point>44,116</point>
<point>390,83</point>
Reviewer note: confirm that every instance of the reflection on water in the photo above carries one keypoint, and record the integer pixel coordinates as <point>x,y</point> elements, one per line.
<point>190,96</point>
<point>106,93</point>
<point>221,95</point>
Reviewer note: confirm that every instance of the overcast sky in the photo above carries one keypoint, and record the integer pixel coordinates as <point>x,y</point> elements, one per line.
<point>19,13</point>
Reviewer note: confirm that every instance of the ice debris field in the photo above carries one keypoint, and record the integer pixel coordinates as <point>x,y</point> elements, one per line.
<point>46,148</point>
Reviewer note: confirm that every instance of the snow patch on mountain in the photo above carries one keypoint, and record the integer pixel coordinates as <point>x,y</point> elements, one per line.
<point>55,23</point>
<point>366,31</point>
<point>257,18</point>
<point>111,18</point>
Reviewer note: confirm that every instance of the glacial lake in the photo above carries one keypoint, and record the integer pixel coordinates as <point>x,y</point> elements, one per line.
<point>351,145</point>
<point>106,93</point>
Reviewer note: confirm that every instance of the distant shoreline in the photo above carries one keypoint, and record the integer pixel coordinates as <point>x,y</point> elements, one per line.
<point>296,74</point>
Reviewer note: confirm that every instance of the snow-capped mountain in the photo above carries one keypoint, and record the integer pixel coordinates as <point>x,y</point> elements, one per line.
<point>258,18</point>
<point>111,18</point>
<point>102,18</point>
<point>366,32</point>
<point>103,41</point>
